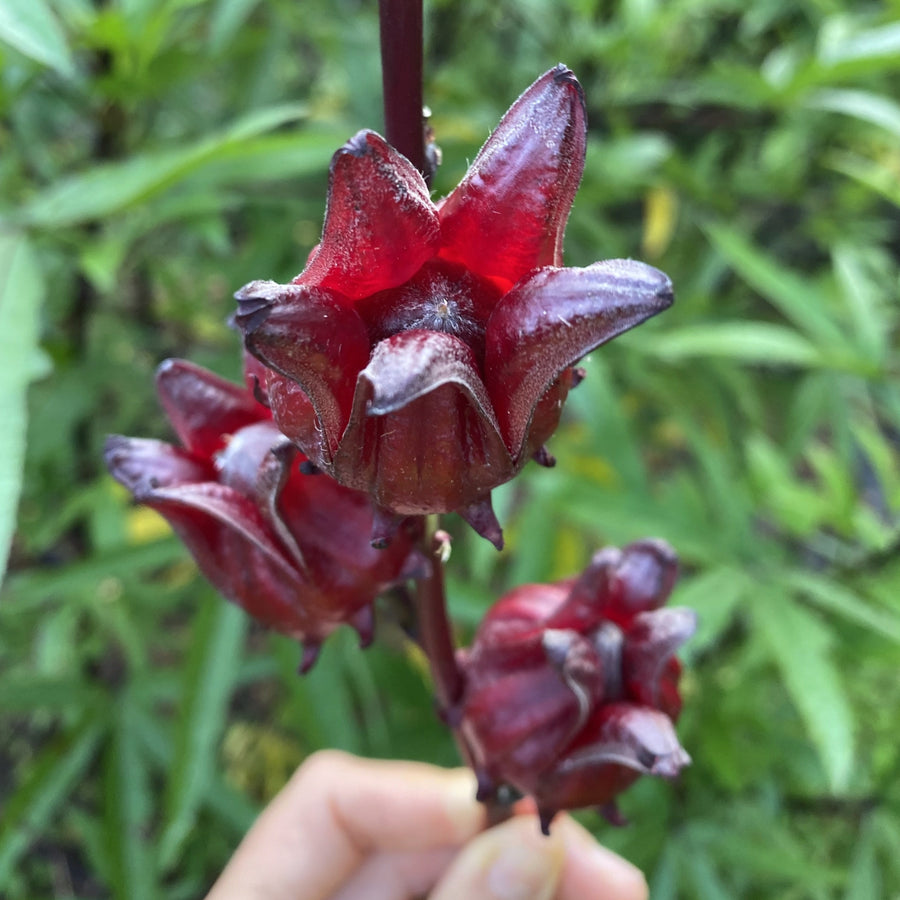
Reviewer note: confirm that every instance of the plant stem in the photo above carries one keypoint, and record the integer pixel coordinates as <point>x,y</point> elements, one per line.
<point>401,75</point>
<point>436,640</point>
<point>435,634</point>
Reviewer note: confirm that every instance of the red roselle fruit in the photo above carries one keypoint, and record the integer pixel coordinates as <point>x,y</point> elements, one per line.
<point>424,354</point>
<point>571,689</point>
<point>291,548</point>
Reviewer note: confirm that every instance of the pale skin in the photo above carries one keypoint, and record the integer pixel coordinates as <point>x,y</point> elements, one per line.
<point>345,828</point>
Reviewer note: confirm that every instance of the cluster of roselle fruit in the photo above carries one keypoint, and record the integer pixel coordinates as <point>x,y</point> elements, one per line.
<point>420,360</point>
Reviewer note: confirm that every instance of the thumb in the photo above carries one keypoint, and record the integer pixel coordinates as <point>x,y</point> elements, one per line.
<point>512,861</point>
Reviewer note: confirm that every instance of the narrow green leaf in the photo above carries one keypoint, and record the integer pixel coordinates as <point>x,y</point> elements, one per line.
<point>113,187</point>
<point>30,589</point>
<point>702,876</point>
<point>715,595</point>
<point>754,343</point>
<point>31,27</point>
<point>664,882</point>
<point>226,22</point>
<point>880,178</point>
<point>21,297</point>
<point>832,596</point>
<point>373,714</point>
<point>29,692</point>
<point>841,46</point>
<point>128,808</point>
<point>322,703</point>
<point>798,644</point>
<point>797,298</point>
<point>611,432</point>
<point>210,675</point>
<point>864,881</point>
<point>220,798</point>
<point>862,298</point>
<point>50,779</point>
<point>862,105</point>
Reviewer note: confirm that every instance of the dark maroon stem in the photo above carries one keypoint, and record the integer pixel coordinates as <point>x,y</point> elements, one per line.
<point>435,634</point>
<point>401,76</point>
<point>436,639</point>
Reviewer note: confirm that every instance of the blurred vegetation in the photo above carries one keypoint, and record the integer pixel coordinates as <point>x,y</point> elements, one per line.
<point>157,154</point>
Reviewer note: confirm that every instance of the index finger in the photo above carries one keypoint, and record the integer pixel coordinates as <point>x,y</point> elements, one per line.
<point>336,811</point>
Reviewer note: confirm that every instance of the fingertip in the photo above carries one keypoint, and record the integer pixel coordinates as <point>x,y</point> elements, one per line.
<point>466,815</point>
<point>512,861</point>
<point>594,871</point>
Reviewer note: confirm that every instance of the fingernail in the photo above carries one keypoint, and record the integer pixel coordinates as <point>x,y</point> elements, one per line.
<point>528,867</point>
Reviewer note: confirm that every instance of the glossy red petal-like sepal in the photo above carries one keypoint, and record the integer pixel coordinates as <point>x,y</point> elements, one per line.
<point>550,320</point>
<point>309,337</point>
<point>622,742</point>
<point>508,214</point>
<point>222,505</point>
<point>652,639</point>
<point>618,584</point>
<point>629,735</point>
<point>380,223</point>
<point>202,407</point>
<point>144,465</point>
<point>257,462</point>
<point>520,722</point>
<point>422,437</point>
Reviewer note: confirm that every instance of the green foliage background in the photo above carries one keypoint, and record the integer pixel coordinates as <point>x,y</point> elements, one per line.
<point>157,154</point>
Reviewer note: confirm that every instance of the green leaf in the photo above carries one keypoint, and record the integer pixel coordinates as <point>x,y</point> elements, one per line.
<point>128,808</point>
<point>227,19</point>
<point>701,874</point>
<point>840,45</point>
<point>21,297</point>
<point>864,878</point>
<point>32,28</point>
<point>799,645</point>
<point>753,343</point>
<point>797,298</point>
<point>715,596</point>
<point>29,692</point>
<point>50,778</point>
<point>220,798</point>
<point>862,105</point>
<point>880,178</point>
<point>832,596</point>
<point>110,188</point>
<point>210,676</point>
<point>30,589</point>
<point>870,323</point>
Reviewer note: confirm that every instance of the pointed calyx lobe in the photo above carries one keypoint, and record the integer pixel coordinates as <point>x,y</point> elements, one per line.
<point>292,549</point>
<point>425,352</point>
<point>508,214</point>
<point>572,688</point>
<point>380,223</point>
<point>551,319</point>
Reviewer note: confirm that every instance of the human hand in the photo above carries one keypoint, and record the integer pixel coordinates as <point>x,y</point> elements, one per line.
<point>345,828</point>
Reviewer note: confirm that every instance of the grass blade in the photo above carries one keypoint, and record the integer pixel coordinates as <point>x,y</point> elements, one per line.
<point>210,675</point>
<point>128,809</point>
<point>21,297</point>
<point>50,780</point>
<point>798,644</point>
<point>31,27</point>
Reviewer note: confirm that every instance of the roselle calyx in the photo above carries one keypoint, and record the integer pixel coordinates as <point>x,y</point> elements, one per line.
<point>425,352</point>
<point>292,549</point>
<point>571,689</point>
